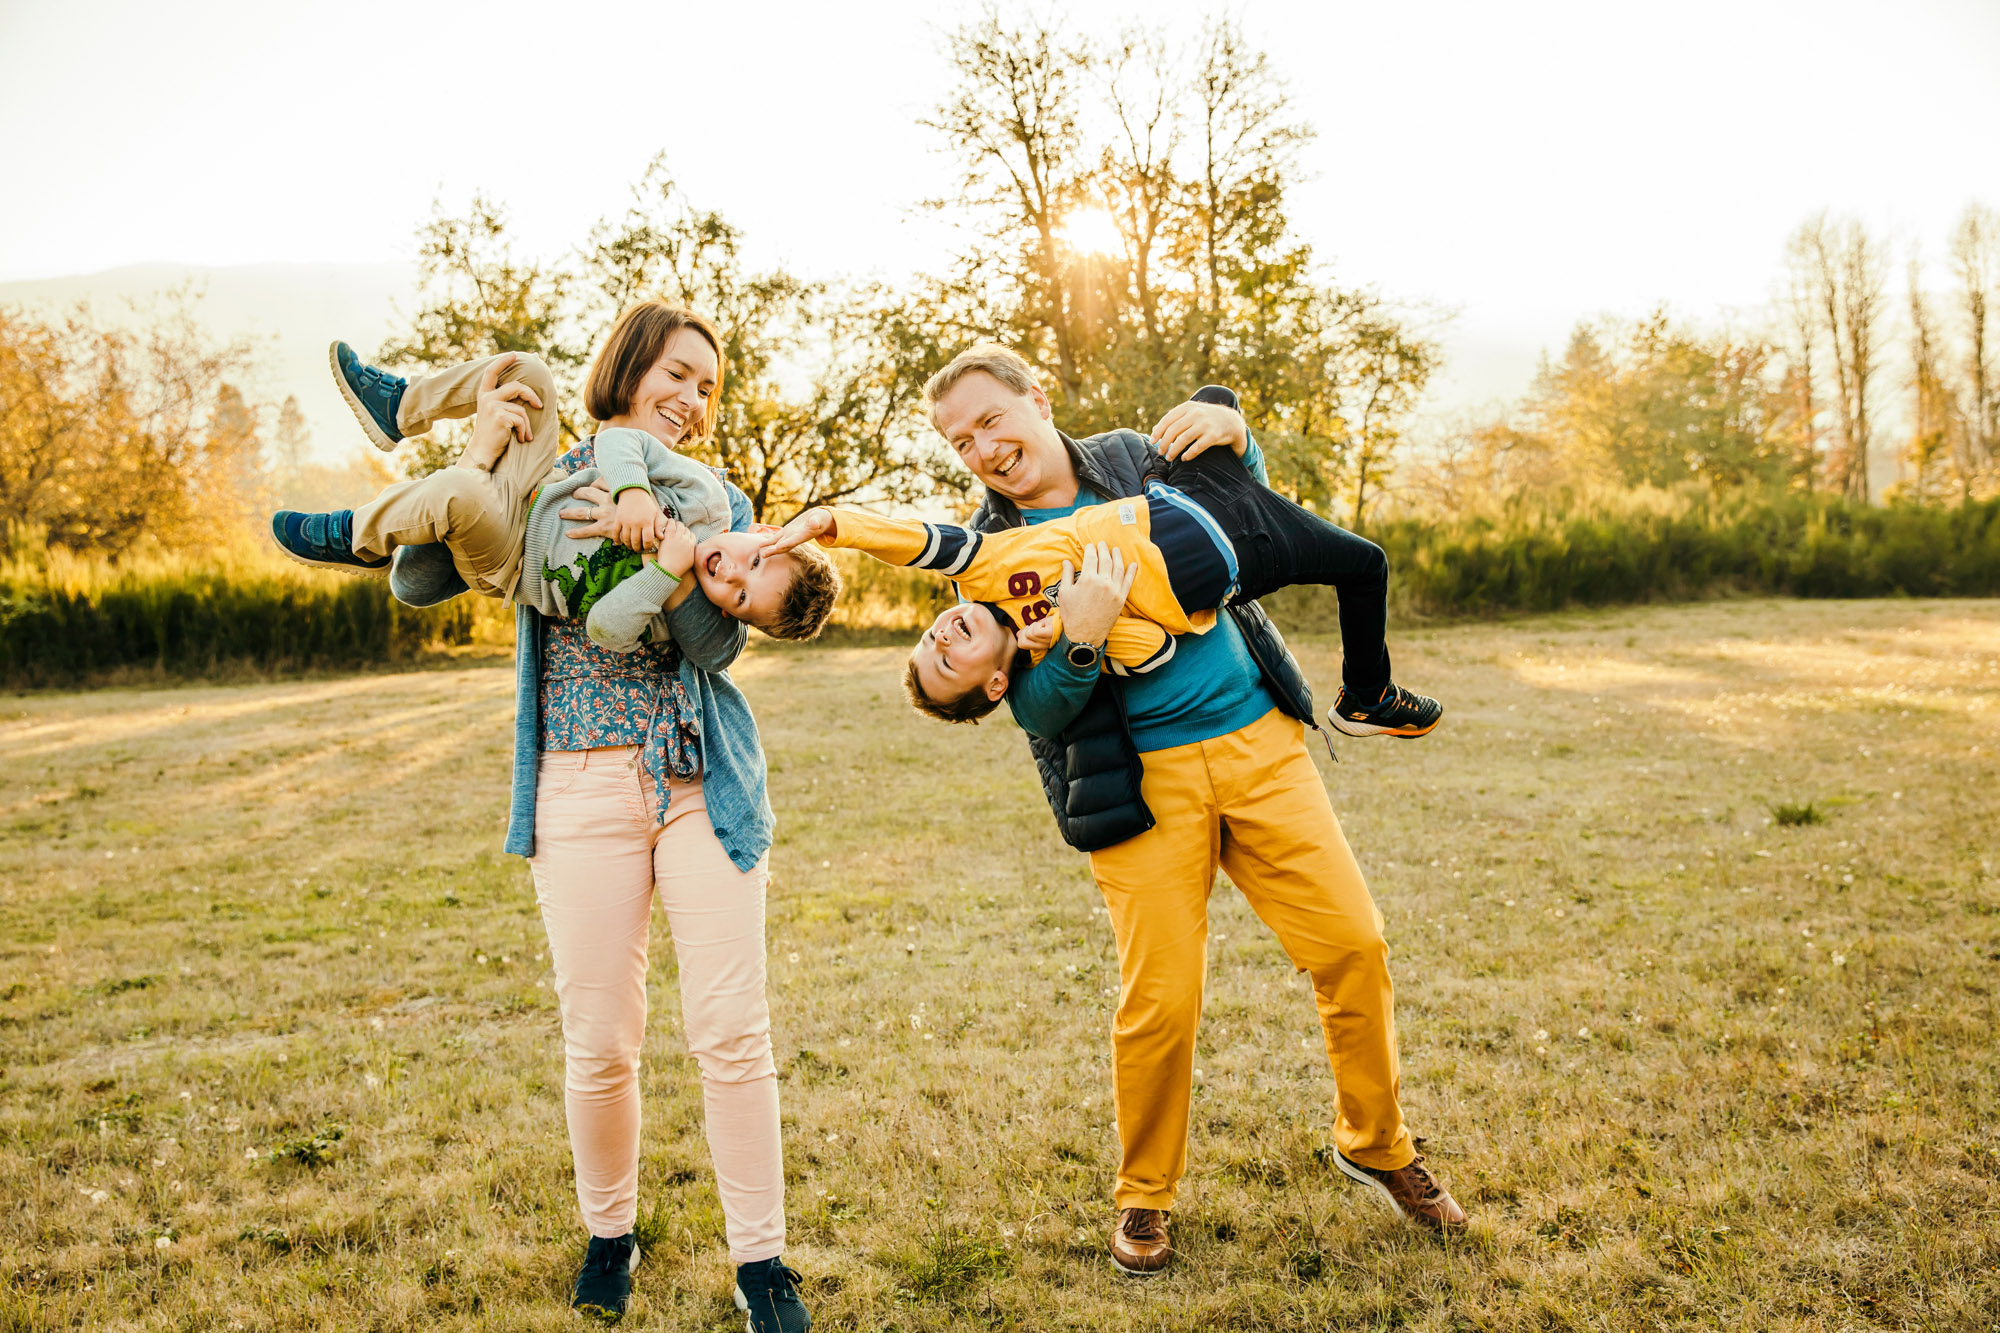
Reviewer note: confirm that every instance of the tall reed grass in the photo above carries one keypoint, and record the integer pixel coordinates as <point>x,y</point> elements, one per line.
<point>1672,546</point>
<point>65,621</point>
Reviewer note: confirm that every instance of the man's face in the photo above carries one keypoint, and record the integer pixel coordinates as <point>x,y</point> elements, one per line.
<point>1008,441</point>
<point>738,579</point>
<point>965,649</point>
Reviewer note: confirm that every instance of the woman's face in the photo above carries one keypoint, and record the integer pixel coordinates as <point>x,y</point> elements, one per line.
<point>672,400</point>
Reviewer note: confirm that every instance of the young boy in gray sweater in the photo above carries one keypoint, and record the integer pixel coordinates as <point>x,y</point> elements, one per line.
<point>492,522</point>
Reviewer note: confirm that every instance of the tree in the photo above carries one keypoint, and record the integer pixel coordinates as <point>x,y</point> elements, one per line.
<point>291,443</point>
<point>1845,271</point>
<point>1187,155</point>
<point>477,298</point>
<point>110,438</point>
<point>1975,254</point>
<point>1937,429</point>
<point>818,388</point>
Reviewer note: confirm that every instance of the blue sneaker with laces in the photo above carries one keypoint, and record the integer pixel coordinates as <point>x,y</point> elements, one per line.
<point>768,1292</point>
<point>374,395</point>
<point>325,541</point>
<point>423,575</point>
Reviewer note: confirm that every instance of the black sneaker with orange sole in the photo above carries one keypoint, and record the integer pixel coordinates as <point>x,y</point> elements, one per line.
<point>1399,712</point>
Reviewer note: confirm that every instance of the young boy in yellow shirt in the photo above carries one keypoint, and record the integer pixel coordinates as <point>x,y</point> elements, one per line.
<point>1203,536</point>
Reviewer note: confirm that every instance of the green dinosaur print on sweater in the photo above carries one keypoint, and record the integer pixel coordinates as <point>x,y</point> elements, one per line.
<point>595,574</point>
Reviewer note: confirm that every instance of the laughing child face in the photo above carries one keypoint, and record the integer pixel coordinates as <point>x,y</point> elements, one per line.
<point>966,655</point>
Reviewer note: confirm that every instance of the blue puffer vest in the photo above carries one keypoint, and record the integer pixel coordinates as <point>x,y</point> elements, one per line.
<point>1091,773</point>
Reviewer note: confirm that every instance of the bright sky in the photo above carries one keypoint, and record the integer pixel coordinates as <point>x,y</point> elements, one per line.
<point>1523,163</point>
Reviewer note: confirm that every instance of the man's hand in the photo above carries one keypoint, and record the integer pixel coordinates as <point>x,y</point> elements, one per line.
<point>499,419</point>
<point>676,546</point>
<point>1093,595</point>
<point>591,506</point>
<point>1191,428</point>
<point>815,522</point>
<point>636,523</point>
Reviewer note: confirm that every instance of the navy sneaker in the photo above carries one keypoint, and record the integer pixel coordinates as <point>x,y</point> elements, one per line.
<point>323,540</point>
<point>423,575</point>
<point>375,395</point>
<point>604,1287</point>
<point>768,1292</point>
<point>1399,712</point>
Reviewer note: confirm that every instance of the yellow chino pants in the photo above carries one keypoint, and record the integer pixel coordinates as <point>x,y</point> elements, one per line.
<point>1252,802</point>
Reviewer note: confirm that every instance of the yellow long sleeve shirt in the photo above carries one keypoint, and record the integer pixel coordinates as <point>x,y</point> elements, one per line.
<point>1018,569</point>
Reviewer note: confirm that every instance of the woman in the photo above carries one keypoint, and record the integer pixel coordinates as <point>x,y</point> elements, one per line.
<point>639,776</point>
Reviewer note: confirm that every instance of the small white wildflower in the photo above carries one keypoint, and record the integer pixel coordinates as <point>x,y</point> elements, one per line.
<point>164,1243</point>
<point>909,948</point>
<point>791,958</point>
<point>1583,1032</point>
<point>1541,1050</point>
<point>826,865</point>
<point>99,1196</point>
<point>159,1161</point>
<point>833,1138</point>
<point>479,958</point>
<point>1508,903</point>
<point>376,1023</point>
<point>1541,1034</point>
<point>916,1021</point>
<point>250,1154</point>
<point>187,1096</point>
<point>1840,960</point>
<point>927,1036</point>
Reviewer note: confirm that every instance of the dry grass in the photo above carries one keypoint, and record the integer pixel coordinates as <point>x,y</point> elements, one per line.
<point>277,1051</point>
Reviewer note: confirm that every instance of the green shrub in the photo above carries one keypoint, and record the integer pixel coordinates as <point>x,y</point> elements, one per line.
<point>1530,558</point>
<point>70,622</point>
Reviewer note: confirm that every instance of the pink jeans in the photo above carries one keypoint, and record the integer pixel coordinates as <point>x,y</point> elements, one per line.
<point>599,860</point>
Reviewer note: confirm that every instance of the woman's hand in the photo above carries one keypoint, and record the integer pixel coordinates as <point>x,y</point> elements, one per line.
<point>590,505</point>
<point>814,523</point>
<point>676,546</point>
<point>635,523</point>
<point>499,418</point>
<point>1191,428</point>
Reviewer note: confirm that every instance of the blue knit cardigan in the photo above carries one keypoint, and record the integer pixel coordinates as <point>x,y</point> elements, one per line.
<point>732,758</point>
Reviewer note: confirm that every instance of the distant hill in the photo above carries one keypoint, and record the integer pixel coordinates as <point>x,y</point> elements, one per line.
<point>291,311</point>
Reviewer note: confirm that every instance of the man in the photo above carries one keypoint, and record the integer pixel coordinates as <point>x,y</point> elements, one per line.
<point>1162,777</point>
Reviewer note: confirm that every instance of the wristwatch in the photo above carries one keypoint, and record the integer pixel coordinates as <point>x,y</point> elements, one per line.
<point>1082,656</point>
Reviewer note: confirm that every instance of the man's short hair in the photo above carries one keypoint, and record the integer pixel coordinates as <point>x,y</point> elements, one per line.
<point>1002,363</point>
<point>808,598</point>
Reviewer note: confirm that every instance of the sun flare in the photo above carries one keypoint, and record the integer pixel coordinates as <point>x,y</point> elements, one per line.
<point>1092,231</point>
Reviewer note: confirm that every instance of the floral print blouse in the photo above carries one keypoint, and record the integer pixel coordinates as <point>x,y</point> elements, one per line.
<point>593,697</point>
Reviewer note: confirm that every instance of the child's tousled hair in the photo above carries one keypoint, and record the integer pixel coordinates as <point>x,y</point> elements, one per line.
<point>635,344</point>
<point>808,598</point>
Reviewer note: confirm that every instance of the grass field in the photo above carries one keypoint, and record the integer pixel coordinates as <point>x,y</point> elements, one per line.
<point>1695,916</point>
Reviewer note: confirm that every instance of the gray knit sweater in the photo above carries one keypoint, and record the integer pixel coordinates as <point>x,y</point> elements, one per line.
<point>616,593</point>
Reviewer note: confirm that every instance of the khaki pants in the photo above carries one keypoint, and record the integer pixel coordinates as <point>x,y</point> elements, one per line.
<point>481,517</point>
<point>1253,802</point>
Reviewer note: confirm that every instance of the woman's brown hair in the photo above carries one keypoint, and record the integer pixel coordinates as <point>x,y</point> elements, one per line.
<point>635,344</point>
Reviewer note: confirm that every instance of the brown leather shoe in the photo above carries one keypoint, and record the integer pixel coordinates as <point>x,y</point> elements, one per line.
<point>1139,1243</point>
<point>1411,1191</point>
